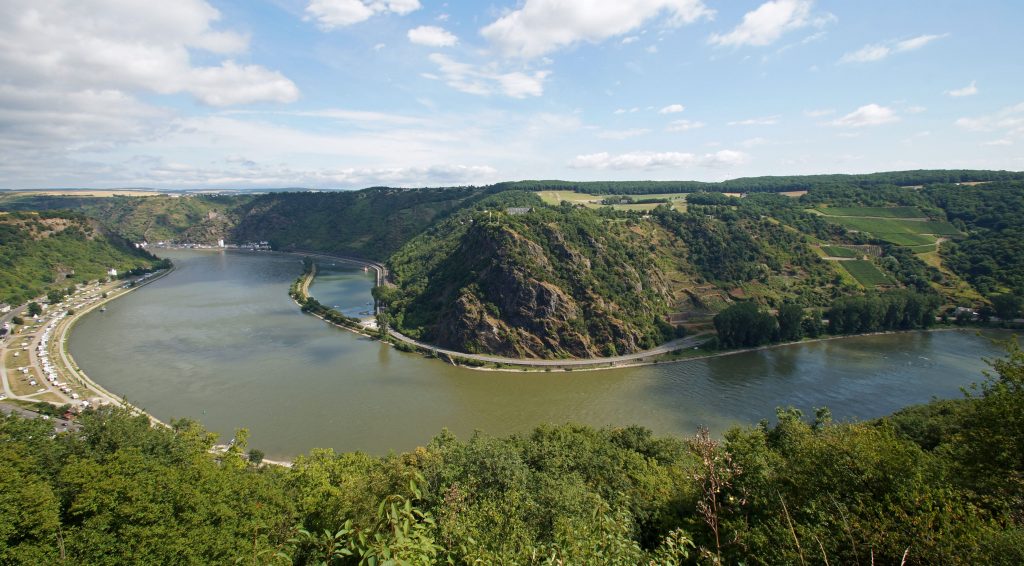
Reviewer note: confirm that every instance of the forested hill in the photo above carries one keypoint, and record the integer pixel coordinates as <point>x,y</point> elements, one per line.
<point>53,250</point>
<point>513,277</point>
<point>371,223</point>
<point>773,184</point>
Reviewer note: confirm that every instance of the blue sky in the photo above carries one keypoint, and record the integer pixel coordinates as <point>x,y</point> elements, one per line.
<point>353,93</point>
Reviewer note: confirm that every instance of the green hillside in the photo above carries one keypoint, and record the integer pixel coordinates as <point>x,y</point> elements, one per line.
<point>52,250</point>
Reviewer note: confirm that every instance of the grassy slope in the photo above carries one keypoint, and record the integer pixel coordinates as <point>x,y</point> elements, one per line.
<point>865,272</point>
<point>37,250</point>
<point>877,211</point>
<point>886,226</point>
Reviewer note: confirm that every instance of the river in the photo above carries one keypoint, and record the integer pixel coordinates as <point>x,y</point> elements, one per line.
<point>220,341</point>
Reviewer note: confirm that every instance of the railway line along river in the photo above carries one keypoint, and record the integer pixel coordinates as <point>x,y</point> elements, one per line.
<point>220,341</point>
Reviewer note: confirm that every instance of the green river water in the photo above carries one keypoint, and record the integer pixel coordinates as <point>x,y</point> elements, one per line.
<point>219,340</point>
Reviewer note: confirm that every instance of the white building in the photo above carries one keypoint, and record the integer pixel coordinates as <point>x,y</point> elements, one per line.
<point>112,272</point>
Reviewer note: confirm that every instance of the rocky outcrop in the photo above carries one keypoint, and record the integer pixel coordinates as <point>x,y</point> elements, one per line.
<point>522,289</point>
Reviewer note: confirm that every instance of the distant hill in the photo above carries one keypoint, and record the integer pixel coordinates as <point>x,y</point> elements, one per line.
<point>371,223</point>
<point>773,184</point>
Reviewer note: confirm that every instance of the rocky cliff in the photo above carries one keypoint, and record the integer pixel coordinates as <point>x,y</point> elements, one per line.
<point>546,284</point>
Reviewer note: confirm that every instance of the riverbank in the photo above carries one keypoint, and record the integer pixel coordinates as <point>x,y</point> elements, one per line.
<point>67,362</point>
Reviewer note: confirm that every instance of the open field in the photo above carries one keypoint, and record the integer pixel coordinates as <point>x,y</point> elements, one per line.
<point>17,380</point>
<point>873,211</point>
<point>677,200</point>
<point>931,258</point>
<point>648,206</point>
<point>880,226</point>
<point>556,197</point>
<point>840,251</point>
<point>909,240</point>
<point>865,272</point>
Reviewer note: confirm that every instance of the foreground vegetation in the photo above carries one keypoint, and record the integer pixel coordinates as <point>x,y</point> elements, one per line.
<point>935,484</point>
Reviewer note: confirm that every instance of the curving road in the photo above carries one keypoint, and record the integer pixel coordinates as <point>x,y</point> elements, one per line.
<point>667,347</point>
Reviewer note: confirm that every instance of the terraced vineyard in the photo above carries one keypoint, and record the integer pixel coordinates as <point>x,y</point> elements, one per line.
<point>865,273</point>
<point>895,225</point>
<point>873,211</point>
<point>840,251</point>
<point>899,225</point>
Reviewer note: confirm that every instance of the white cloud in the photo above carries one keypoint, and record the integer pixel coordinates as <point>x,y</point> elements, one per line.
<point>770,21</point>
<point>1009,121</point>
<point>487,80</point>
<point>231,84</point>
<point>915,43</point>
<point>879,51</point>
<point>99,45</point>
<point>106,139</point>
<point>629,39</point>
<point>432,36</point>
<point>542,26</point>
<point>50,121</point>
<point>969,90</point>
<point>646,160</point>
<point>672,109</point>
<point>867,115</point>
<point>762,121</point>
<point>331,14</point>
<point>683,126</point>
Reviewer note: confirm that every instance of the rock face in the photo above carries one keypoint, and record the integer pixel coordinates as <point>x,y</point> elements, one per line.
<point>527,288</point>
